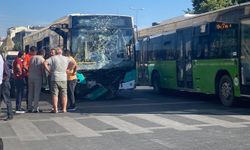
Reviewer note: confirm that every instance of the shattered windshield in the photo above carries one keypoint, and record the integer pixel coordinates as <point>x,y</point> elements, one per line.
<point>102,45</point>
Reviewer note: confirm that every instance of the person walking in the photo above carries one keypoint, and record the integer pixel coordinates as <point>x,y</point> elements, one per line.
<point>35,80</point>
<point>19,77</point>
<point>5,87</point>
<point>71,81</point>
<point>57,66</point>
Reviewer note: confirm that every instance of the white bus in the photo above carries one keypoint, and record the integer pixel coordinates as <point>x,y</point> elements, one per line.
<point>103,45</point>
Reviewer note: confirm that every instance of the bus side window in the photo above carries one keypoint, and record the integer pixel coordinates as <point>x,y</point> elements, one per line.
<point>169,46</point>
<point>200,47</point>
<point>159,53</point>
<point>27,47</point>
<point>204,47</point>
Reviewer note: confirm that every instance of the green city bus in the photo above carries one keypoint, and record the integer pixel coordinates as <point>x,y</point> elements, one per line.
<point>206,53</point>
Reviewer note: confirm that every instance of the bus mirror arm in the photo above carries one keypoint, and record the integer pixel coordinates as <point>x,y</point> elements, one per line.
<point>62,33</point>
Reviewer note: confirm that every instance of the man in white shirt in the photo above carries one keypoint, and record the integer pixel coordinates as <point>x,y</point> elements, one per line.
<point>57,66</point>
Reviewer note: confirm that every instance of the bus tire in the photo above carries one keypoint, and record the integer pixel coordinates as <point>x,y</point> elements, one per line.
<point>156,83</point>
<point>226,91</point>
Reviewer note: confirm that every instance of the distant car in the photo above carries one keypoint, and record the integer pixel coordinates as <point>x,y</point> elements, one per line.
<point>10,57</point>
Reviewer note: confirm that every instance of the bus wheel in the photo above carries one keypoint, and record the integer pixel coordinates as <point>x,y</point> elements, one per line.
<point>156,83</point>
<point>226,91</point>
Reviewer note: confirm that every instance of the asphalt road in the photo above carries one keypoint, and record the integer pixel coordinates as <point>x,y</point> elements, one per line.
<point>135,120</point>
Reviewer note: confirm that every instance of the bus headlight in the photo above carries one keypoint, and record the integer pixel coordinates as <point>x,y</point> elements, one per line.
<point>236,81</point>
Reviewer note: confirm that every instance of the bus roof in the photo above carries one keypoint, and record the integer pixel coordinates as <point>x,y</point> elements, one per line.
<point>79,14</point>
<point>65,18</point>
<point>187,20</point>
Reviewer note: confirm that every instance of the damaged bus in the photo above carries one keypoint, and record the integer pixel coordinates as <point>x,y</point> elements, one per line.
<point>102,45</point>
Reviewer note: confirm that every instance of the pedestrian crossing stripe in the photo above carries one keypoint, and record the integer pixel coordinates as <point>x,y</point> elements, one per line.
<point>243,117</point>
<point>166,122</point>
<point>74,127</point>
<point>26,130</point>
<point>123,125</point>
<point>213,121</point>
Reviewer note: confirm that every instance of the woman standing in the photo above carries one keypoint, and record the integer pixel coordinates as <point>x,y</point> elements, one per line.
<point>19,77</point>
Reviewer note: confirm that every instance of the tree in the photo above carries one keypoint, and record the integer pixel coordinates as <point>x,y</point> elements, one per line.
<point>202,6</point>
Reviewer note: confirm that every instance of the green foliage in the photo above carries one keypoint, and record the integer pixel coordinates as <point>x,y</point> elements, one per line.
<point>202,6</point>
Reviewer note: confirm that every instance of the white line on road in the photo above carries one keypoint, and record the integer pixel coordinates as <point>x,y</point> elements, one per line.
<point>109,131</point>
<point>164,143</point>
<point>147,104</point>
<point>9,137</point>
<point>243,117</point>
<point>26,130</point>
<point>58,134</point>
<point>166,122</point>
<point>122,125</point>
<point>74,127</point>
<point>213,121</point>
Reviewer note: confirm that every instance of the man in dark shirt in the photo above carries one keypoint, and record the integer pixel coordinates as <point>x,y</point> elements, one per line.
<point>5,90</point>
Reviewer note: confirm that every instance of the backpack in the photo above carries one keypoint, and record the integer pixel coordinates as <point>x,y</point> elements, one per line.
<point>80,78</point>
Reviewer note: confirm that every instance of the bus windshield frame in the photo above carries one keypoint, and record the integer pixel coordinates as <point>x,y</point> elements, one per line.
<point>102,42</point>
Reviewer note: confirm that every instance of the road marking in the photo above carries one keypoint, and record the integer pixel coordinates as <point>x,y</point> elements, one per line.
<point>58,134</point>
<point>213,121</point>
<point>166,122</point>
<point>9,137</point>
<point>243,117</point>
<point>122,125</point>
<point>164,143</point>
<point>147,104</point>
<point>109,131</point>
<point>74,127</point>
<point>26,130</point>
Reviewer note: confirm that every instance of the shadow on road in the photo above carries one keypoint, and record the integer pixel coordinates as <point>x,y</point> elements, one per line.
<point>144,100</point>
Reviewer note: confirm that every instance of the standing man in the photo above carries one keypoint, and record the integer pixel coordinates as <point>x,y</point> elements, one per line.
<point>26,63</point>
<point>52,53</point>
<point>35,80</point>
<point>57,66</point>
<point>5,87</point>
<point>72,81</point>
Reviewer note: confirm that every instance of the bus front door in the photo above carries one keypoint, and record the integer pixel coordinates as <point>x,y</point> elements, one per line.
<point>143,74</point>
<point>245,55</point>
<point>184,60</point>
